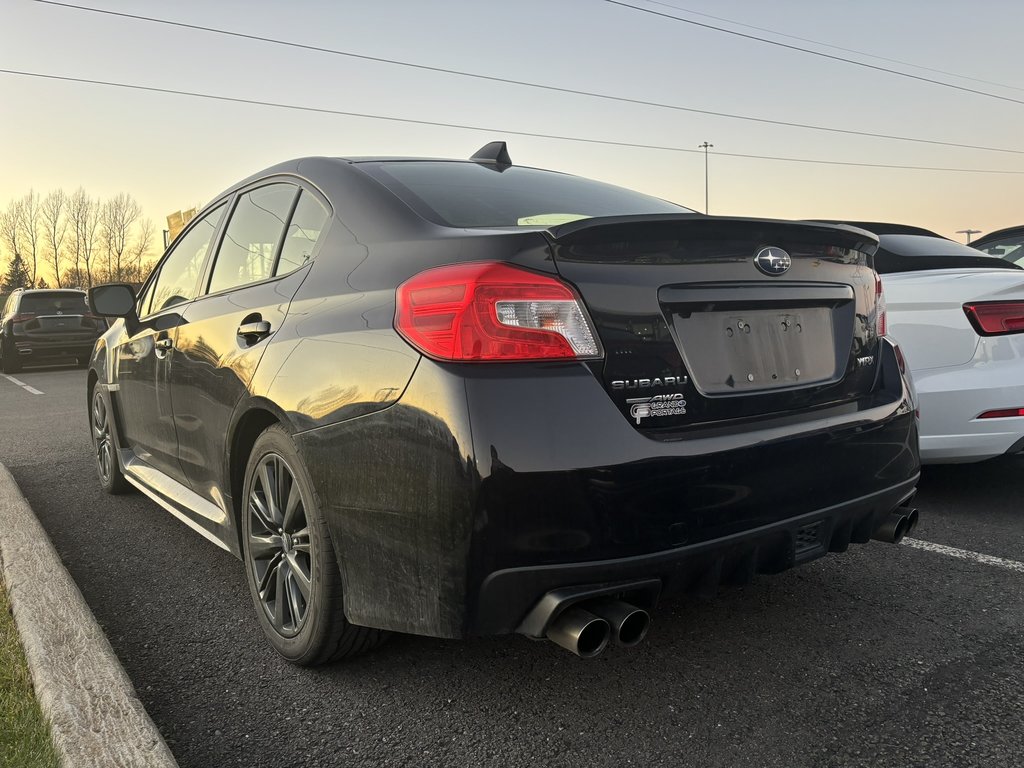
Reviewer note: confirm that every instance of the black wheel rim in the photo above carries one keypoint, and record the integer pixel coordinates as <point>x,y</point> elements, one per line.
<point>280,553</point>
<point>102,439</point>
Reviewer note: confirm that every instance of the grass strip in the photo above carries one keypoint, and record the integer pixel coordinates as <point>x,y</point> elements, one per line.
<point>24,733</point>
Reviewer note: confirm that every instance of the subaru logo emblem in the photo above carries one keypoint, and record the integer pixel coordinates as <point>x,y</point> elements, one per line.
<point>772,260</point>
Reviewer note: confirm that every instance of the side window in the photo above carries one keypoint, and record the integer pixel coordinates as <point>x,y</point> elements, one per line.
<point>308,221</point>
<point>180,271</point>
<point>250,242</point>
<point>147,297</point>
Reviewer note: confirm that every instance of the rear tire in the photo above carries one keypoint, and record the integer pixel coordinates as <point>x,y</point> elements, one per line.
<point>9,360</point>
<point>290,564</point>
<point>108,466</point>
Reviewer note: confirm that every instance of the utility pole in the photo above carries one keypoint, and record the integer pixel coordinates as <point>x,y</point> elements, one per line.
<point>968,232</point>
<point>705,146</point>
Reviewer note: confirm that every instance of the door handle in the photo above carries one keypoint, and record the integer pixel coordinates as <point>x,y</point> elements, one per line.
<point>255,330</point>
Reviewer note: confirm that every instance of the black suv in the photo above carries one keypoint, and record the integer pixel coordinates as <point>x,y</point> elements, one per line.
<point>47,326</point>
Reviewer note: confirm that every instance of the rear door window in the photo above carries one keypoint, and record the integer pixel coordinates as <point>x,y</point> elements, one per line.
<point>308,221</point>
<point>254,233</point>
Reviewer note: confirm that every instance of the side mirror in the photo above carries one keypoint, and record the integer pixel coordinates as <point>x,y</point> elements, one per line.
<point>114,300</point>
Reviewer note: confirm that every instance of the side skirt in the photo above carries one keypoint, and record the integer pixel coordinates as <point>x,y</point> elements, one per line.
<point>197,513</point>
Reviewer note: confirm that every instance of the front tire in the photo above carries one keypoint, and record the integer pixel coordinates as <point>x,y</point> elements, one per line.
<point>108,468</point>
<point>290,563</point>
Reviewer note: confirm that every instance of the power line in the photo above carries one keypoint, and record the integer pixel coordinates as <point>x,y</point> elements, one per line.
<point>463,126</point>
<point>526,83</point>
<point>835,47</point>
<point>864,64</point>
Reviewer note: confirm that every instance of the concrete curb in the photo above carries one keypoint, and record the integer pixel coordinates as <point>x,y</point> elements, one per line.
<point>95,716</point>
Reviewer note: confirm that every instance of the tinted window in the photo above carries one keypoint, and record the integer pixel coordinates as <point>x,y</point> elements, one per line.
<point>1010,248</point>
<point>250,242</point>
<point>51,303</point>
<point>472,195</point>
<point>910,253</point>
<point>179,273</point>
<point>307,223</point>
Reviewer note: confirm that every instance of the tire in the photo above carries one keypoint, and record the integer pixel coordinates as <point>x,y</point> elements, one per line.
<point>290,564</point>
<point>9,361</point>
<point>108,466</point>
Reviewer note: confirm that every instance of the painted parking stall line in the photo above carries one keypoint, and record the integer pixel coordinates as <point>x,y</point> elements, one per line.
<point>28,388</point>
<point>964,554</point>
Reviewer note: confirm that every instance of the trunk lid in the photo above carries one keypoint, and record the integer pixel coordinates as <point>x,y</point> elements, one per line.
<point>926,315</point>
<point>696,333</point>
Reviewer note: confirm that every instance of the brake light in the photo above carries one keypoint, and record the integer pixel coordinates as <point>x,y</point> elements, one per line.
<point>1003,413</point>
<point>493,312</point>
<point>23,317</point>
<point>881,322</point>
<point>994,318</point>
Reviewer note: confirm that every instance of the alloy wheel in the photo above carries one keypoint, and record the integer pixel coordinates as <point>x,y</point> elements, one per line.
<point>279,545</point>
<point>102,440</point>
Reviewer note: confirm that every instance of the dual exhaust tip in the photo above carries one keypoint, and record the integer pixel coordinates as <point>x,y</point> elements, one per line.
<point>587,628</point>
<point>899,523</point>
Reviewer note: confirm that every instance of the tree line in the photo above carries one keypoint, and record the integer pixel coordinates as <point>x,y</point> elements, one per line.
<point>74,240</point>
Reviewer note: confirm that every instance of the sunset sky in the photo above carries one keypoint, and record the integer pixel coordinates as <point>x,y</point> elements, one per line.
<point>173,151</point>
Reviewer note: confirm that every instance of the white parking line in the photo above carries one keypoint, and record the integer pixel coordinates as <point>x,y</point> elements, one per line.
<point>964,554</point>
<point>31,390</point>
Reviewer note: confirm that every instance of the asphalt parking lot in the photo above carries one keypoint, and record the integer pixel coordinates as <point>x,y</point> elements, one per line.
<point>883,656</point>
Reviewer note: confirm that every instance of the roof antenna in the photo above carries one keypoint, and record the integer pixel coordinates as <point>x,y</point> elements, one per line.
<point>495,153</point>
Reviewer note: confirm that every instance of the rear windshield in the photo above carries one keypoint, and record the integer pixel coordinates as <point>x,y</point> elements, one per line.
<point>66,303</point>
<point>456,194</point>
<point>910,253</point>
<point>1008,248</point>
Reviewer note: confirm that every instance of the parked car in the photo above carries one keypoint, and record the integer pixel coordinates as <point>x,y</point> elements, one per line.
<point>1005,243</point>
<point>456,398</point>
<point>40,326</point>
<point>958,314</point>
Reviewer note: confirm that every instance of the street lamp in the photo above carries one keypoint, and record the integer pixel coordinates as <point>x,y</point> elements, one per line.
<point>705,146</point>
<point>968,232</point>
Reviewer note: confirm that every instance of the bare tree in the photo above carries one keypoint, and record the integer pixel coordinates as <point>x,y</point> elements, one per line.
<point>31,210</point>
<point>117,219</point>
<point>10,228</point>
<point>84,216</point>
<point>138,251</point>
<point>55,226</point>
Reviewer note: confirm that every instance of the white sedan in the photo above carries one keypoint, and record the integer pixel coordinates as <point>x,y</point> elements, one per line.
<point>958,315</point>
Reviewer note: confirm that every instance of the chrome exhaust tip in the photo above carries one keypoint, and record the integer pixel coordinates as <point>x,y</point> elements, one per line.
<point>628,623</point>
<point>580,632</point>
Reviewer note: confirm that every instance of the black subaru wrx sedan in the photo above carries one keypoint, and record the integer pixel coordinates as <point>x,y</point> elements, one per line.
<point>454,398</point>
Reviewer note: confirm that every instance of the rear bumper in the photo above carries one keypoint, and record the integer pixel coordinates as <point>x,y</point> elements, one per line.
<point>951,399</point>
<point>507,596</point>
<point>34,350</point>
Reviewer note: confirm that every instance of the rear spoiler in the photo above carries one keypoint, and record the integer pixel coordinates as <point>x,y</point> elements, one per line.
<point>699,226</point>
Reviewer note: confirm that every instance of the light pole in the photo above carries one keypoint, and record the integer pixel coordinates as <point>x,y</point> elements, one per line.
<point>705,146</point>
<point>968,232</point>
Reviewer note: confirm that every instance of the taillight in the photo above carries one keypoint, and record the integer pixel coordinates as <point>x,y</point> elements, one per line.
<point>881,322</point>
<point>493,312</point>
<point>21,318</point>
<point>1002,413</point>
<point>994,318</point>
